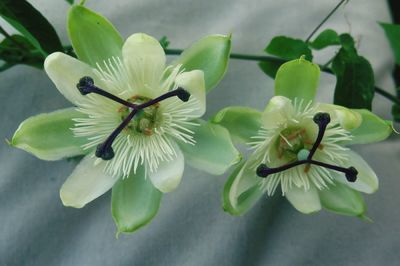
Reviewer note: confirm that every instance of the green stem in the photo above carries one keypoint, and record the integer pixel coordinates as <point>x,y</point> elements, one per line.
<point>8,36</point>
<point>267,58</point>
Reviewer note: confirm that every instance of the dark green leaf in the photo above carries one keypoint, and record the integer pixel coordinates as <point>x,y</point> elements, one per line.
<point>288,48</point>
<point>17,50</point>
<point>393,34</point>
<point>33,25</point>
<point>70,1</point>
<point>348,43</point>
<point>270,67</point>
<point>164,42</point>
<point>326,38</point>
<point>355,78</point>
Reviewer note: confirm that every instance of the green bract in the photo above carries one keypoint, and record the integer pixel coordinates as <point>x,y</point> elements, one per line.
<point>285,131</point>
<point>151,149</point>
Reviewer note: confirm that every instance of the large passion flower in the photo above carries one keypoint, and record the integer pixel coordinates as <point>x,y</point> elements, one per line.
<point>136,120</point>
<point>300,148</point>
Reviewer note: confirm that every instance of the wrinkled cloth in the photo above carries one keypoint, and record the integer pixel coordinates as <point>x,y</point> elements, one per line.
<point>191,227</point>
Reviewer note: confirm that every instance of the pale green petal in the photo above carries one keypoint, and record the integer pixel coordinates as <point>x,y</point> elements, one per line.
<point>241,122</point>
<point>49,136</point>
<point>367,181</point>
<point>87,182</point>
<point>305,201</point>
<point>297,79</point>
<point>210,55</point>
<point>193,82</point>
<point>145,59</point>
<point>213,152</point>
<point>348,118</point>
<point>168,175</point>
<point>135,201</point>
<point>341,199</point>
<point>65,72</point>
<point>372,129</point>
<point>278,110</point>
<point>242,189</point>
<point>93,37</point>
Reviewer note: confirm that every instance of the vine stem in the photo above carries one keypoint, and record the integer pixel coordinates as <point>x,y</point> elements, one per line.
<point>324,20</point>
<point>266,58</point>
<point>8,36</point>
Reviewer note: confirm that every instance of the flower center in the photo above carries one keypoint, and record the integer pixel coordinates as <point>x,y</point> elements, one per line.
<point>302,155</point>
<point>145,119</point>
<point>291,141</point>
<point>105,150</point>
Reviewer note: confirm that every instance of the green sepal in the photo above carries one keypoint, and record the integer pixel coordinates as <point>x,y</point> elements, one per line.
<point>371,129</point>
<point>49,136</point>
<point>209,54</point>
<point>341,199</point>
<point>93,37</point>
<point>297,79</point>
<point>213,151</point>
<point>245,199</point>
<point>242,123</point>
<point>134,201</point>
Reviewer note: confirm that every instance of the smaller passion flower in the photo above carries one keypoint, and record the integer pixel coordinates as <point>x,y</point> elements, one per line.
<point>300,147</point>
<point>136,120</point>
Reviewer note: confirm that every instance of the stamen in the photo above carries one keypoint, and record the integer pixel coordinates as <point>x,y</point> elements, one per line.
<point>105,150</point>
<point>322,120</point>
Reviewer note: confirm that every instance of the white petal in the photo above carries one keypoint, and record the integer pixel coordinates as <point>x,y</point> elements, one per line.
<point>367,181</point>
<point>193,82</point>
<point>65,72</point>
<point>347,118</point>
<point>305,201</point>
<point>169,173</point>
<point>87,182</point>
<point>278,109</point>
<point>145,59</point>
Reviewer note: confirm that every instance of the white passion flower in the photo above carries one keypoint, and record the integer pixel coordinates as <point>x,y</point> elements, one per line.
<point>135,120</point>
<point>134,108</point>
<point>299,148</point>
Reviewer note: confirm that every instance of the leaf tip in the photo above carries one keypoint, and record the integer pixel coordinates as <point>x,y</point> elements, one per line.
<point>365,218</point>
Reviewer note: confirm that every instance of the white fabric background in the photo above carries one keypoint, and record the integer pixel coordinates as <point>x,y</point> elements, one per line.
<point>191,228</point>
